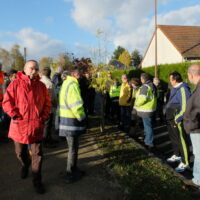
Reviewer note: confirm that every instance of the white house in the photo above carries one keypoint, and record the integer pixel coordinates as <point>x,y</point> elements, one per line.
<point>175,44</point>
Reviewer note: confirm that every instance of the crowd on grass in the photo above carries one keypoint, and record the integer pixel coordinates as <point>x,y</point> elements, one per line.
<point>34,106</point>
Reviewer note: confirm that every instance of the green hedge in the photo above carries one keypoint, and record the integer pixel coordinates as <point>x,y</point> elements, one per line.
<point>163,71</point>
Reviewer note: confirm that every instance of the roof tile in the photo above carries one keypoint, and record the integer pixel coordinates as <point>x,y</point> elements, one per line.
<point>186,39</point>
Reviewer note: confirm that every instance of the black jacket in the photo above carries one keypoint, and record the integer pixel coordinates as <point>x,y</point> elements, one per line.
<point>191,118</point>
<point>57,81</point>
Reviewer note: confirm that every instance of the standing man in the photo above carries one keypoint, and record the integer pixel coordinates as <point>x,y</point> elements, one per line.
<point>192,123</point>
<point>6,119</point>
<point>114,98</point>
<point>57,80</point>
<point>72,121</point>
<point>175,109</point>
<point>160,100</point>
<point>49,125</point>
<point>125,104</point>
<point>11,76</point>
<point>145,104</point>
<point>27,102</point>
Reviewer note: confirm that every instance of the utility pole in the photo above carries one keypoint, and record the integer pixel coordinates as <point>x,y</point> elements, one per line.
<point>156,51</point>
<point>25,54</point>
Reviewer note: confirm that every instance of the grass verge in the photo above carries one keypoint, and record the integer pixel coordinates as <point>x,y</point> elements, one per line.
<point>137,171</point>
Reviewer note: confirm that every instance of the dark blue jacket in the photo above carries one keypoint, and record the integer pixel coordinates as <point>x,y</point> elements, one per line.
<point>176,105</point>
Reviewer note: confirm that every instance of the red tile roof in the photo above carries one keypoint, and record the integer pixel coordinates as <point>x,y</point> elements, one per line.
<point>186,39</point>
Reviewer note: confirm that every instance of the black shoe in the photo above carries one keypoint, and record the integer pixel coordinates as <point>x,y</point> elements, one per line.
<point>67,177</point>
<point>149,147</point>
<point>24,172</point>
<point>74,177</point>
<point>39,188</point>
<point>79,173</point>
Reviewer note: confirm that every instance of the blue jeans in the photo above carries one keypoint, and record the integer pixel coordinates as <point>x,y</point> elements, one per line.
<point>125,112</point>
<point>148,130</point>
<point>72,157</point>
<point>195,139</point>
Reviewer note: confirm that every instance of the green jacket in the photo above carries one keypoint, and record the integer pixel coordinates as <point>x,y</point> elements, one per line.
<point>71,110</point>
<point>146,101</point>
<point>115,90</point>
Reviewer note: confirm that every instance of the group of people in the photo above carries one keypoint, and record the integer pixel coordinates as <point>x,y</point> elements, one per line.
<point>133,99</point>
<point>143,99</point>
<point>30,101</point>
<point>32,98</point>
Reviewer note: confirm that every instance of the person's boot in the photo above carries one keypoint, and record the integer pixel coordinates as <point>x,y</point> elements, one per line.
<point>37,183</point>
<point>79,173</point>
<point>39,188</point>
<point>74,176</point>
<point>24,170</point>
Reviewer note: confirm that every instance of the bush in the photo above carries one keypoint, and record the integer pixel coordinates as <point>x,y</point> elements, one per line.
<point>163,72</point>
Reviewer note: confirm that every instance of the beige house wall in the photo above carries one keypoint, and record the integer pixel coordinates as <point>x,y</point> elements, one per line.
<point>166,52</point>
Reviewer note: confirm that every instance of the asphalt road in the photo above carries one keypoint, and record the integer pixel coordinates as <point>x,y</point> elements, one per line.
<point>96,185</point>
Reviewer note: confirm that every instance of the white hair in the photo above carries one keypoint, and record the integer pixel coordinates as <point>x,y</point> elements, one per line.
<point>194,69</point>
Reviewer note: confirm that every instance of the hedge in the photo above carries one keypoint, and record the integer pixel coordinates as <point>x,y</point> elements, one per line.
<point>163,72</point>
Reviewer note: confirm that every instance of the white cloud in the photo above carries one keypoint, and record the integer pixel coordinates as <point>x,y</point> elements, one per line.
<point>6,45</point>
<point>130,23</point>
<point>184,16</point>
<point>38,44</point>
<point>82,50</point>
<point>93,15</point>
<point>141,35</point>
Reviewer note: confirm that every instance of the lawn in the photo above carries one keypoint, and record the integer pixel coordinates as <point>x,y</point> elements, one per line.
<point>140,174</point>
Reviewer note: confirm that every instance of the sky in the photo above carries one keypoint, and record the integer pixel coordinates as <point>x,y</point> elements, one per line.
<point>48,27</point>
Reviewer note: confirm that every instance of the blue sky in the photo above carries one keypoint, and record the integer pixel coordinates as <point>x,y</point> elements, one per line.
<point>47,27</point>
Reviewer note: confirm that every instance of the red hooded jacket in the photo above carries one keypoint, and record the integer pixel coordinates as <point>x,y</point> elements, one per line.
<point>28,101</point>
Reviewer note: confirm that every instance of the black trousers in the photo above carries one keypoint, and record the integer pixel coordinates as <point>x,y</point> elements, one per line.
<point>48,128</point>
<point>35,160</point>
<point>115,110</point>
<point>180,140</point>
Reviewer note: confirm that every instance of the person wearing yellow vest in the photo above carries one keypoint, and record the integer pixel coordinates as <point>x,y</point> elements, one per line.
<point>145,104</point>
<point>114,94</point>
<point>72,121</point>
<point>125,104</point>
<point>1,92</point>
<point>135,83</point>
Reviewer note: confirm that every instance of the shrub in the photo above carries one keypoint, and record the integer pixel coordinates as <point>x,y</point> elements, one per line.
<point>163,72</point>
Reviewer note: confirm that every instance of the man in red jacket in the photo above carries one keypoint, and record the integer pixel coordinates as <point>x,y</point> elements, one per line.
<point>27,102</point>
